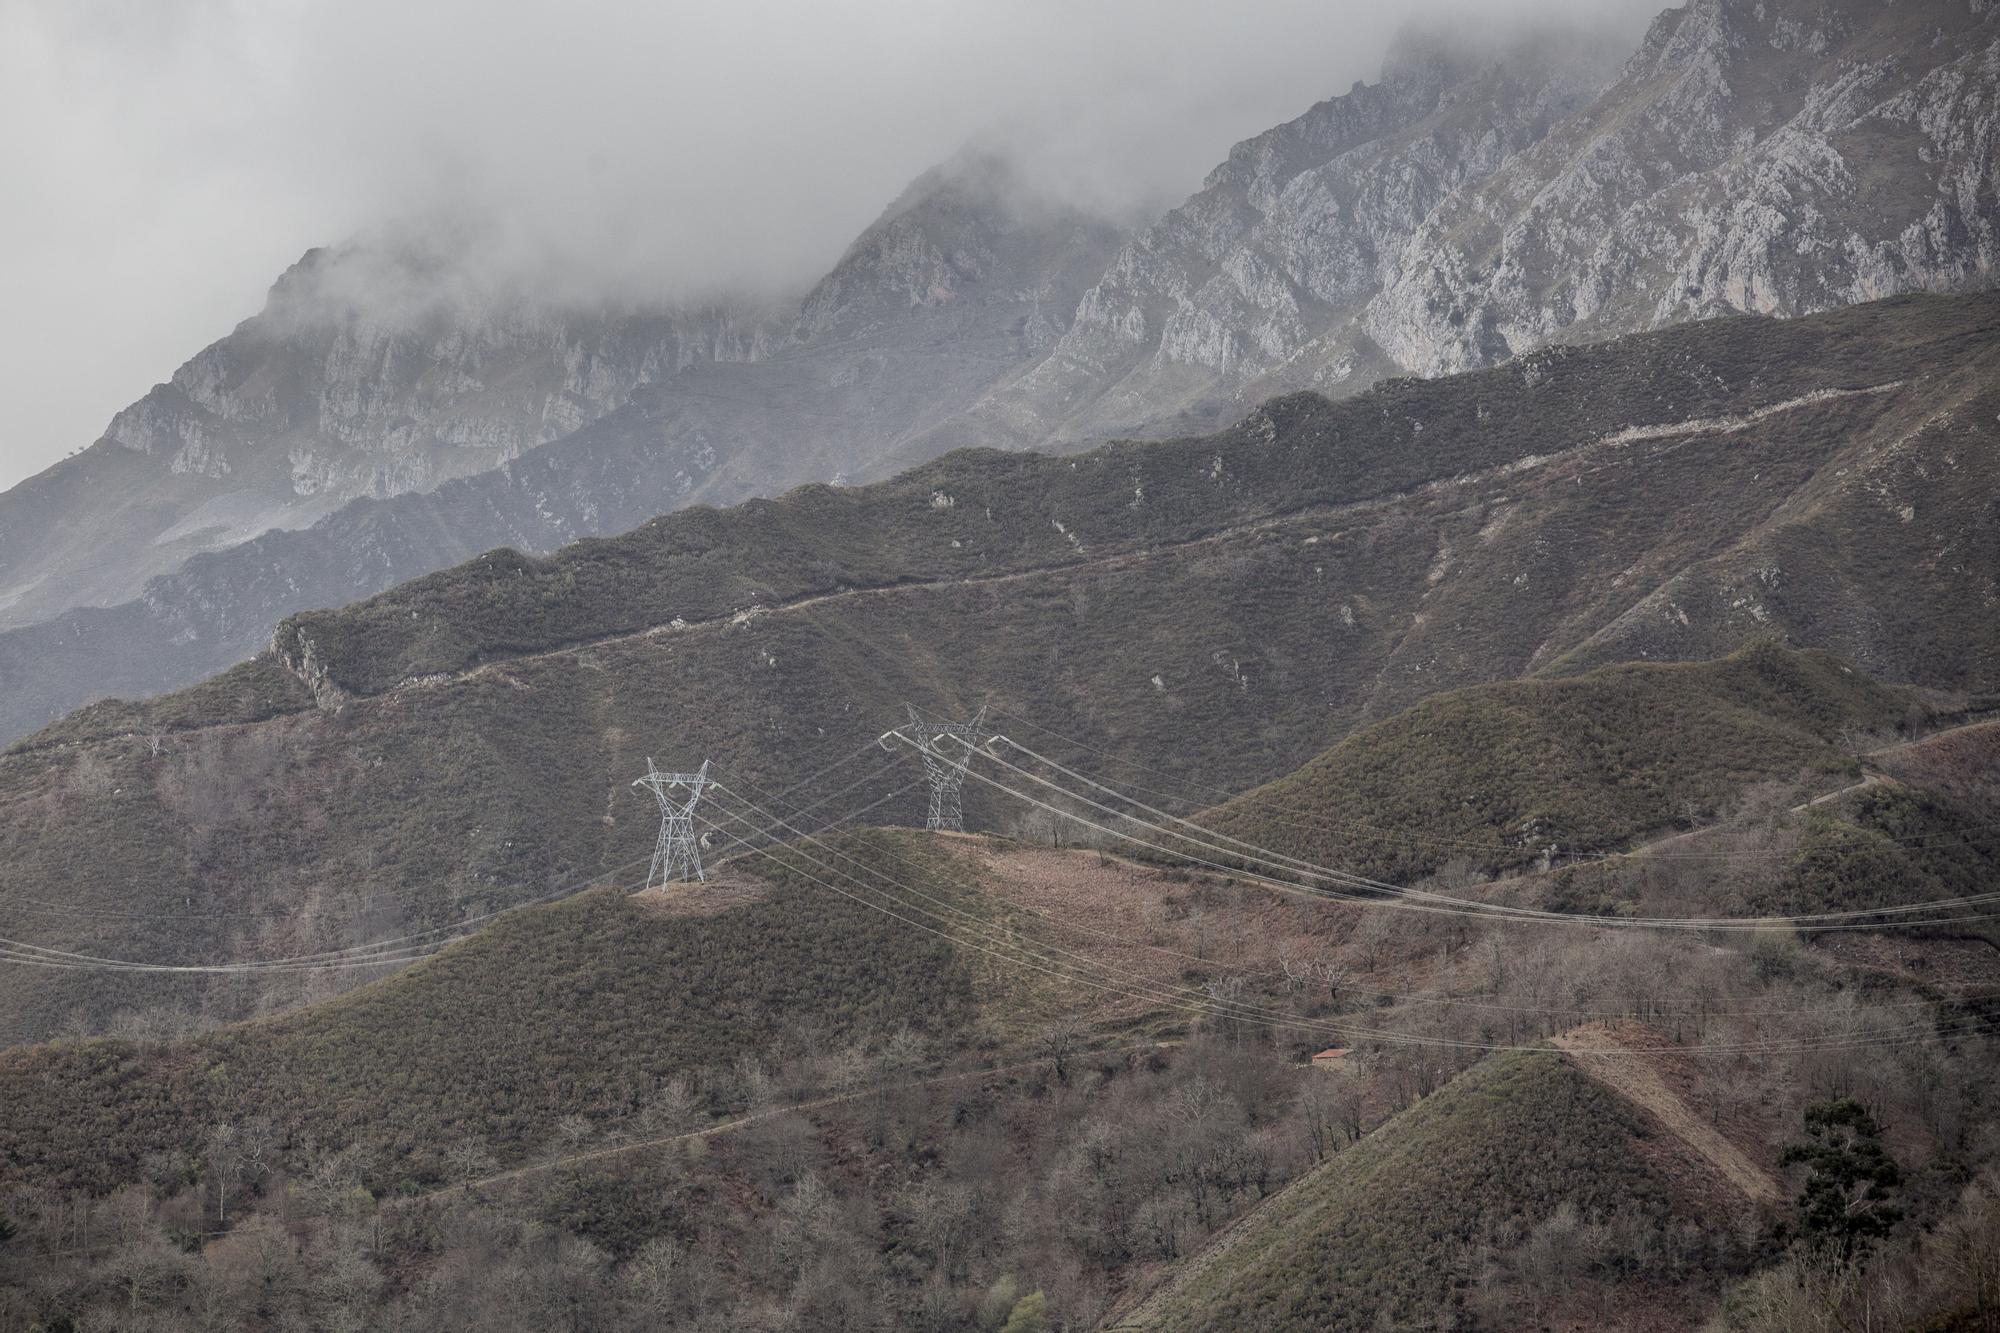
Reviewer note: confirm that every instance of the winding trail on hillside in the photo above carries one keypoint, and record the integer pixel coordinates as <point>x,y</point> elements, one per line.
<point>328,694</point>
<point>1869,780</point>
<point>1279,518</point>
<point>1598,1053</point>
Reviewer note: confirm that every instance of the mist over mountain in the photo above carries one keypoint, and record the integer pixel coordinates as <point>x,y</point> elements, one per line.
<point>185,153</point>
<point>1487,197</point>
<point>1585,171</point>
<point>794,679</point>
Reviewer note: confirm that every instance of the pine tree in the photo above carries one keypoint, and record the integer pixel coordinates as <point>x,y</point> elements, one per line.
<point>1845,1205</point>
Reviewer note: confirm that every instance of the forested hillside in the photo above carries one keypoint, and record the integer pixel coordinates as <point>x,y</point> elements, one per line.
<point>895,1077</point>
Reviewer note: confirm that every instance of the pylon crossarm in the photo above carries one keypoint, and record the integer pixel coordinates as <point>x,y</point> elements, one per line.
<point>944,767</point>
<point>677,853</point>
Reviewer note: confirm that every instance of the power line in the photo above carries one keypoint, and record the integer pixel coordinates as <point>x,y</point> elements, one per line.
<point>677,854</point>
<point>1389,895</point>
<point>395,950</point>
<point>1320,821</point>
<point>1417,998</point>
<point>1150,992</point>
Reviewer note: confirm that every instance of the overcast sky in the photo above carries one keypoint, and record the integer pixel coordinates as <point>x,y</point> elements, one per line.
<point>166,159</point>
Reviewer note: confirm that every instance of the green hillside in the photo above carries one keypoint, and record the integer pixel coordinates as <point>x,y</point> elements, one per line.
<point>1494,774</point>
<point>587,1007</point>
<point>1923,830</point>
<point>1395,1231</point>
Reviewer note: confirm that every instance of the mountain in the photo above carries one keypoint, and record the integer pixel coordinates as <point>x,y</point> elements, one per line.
<point>1490,194</point>
<point>1028,1074</point>
<point>1500,775</point>
<point>1768,156</point>
<point>1219,609</point>
<point>373,370</point>
<point>439,415</point>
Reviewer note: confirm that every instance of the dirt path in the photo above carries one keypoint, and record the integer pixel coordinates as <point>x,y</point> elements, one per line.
<point>1143,554</point>
<point>1872,780</point>
<point>756,1117</point>
<point>1599,1054</point>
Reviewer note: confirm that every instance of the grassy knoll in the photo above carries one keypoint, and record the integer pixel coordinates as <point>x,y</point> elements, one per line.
<point>1391,1231</point>
<point>585,1007</point>
<point>1493,774</point>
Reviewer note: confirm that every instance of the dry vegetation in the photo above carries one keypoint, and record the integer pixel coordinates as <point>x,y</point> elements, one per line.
<point>1090,1164</point>
<point>990,1084</point>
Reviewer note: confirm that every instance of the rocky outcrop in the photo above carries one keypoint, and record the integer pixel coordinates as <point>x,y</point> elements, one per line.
<point>383,369</point>
<point>374,370</point>
<point>1766,156</point>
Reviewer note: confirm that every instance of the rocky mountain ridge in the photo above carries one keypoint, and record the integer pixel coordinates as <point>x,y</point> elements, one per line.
<point>372,371</point>
<point>1762,156</point>
<point>963,278</point>
<point>388,369</point>
<point>1476,202</point>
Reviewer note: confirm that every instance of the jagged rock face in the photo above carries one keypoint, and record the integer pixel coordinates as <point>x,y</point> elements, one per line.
<point>1754,156</point>
<point>371,374</point>
<point>372,371</point>
<point>1769,156</point>
<point>1288,237</point>
<point>969,232</point>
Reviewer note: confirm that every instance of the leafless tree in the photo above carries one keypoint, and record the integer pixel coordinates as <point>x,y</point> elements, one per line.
<point>1057,1045</point>
<point>222,1151</point>
<point>1225,994</point>
<point>1317,1115</point>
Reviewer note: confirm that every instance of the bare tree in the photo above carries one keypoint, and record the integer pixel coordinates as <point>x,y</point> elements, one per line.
<point>1348,1097</point>
<point>223,1153</point>
<point>1057,1045</point>
<point>1318,1116</point>
<point>674,1109</point>
<point>1224,994</point>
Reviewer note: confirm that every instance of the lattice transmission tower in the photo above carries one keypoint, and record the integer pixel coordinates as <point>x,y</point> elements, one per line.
<point>677,855</point>
<point>945,764</point>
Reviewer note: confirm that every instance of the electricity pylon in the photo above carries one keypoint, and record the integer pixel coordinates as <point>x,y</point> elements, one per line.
<point>945,764</point>
<point>677,855</point>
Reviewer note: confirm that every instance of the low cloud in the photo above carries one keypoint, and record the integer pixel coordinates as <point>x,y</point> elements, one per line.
<point>167,158</point>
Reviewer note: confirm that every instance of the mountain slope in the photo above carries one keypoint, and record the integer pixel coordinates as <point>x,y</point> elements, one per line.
<point>1775,156</point>
<point>1391,1231</point>
<point>585,1005</point>
<point>1220,608</point>
<point>1288,235</point>
<point>372,370</point>
<point>301,411</point>
<point>1496,775</point>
